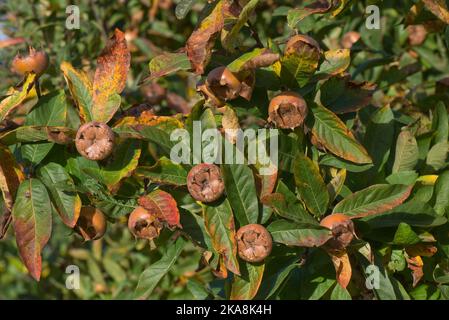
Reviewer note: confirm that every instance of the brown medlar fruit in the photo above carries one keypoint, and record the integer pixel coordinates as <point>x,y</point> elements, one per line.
<point>205,183</point>
<point>91,224</point>
<point>36,61</point>
<point>94,140</point>
<point>342,229</point>
<point>223,84</point>
<point>287,110</point>
<point>349,39</point>
<point>254,242</point>
<point>143,224</point>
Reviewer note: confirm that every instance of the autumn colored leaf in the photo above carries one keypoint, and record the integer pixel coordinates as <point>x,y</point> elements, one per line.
<point>14,99</point>
<point>80,87</point>
<point>438,8</point>
<point>164,205</point>
<point>10,176</point>
<point>32,223</point>
<point>200,43</point>
<point>110,77</point>
<point>415,264</point>
<point>11,42</point>
<point>343,268</point>
<point>335,62</point>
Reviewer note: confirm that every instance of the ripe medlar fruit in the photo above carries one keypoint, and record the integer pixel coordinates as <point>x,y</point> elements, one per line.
<point>94,140</point>
<point>254,242</point>
<point>143,224</point>
<point>205,183</point>
<point>91,224</point>
<point>223,84</point>
<point>36,61</point>
<point>342,229</point>
<point>287,110</point>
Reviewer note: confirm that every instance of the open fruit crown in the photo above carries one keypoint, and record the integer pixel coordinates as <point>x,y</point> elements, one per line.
<point>374,173</point>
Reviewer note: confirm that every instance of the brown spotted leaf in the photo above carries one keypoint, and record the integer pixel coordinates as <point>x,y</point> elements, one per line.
<point>32,223</point>
<point>164,205</point>
<point>295,15</point>
<point>110,77</point>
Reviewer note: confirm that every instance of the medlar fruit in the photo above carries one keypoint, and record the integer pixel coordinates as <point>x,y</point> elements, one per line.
<point>94,140</point>
<point>205,183</point>
<point>91,224</point>
<point>254,242</point>
<point>342,229</point>
<point>36,61</point>
<point>223,84</point>
<point>143,224</point>
<point>287,110</point>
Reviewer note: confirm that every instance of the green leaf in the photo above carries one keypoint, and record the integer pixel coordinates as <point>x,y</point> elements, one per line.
<point>340,95</point>
<point>373,200</point>
<point>440,123</point>
<point>35,153</point>
<point>183,8</point>
<point>340,293</point>
<point>241,192</point>
<point>441,194</point>
<point>164,172</point>
<point>414,213</point>
<point>230,40</point>
<point>61,188</point>
<point>219,223</point>
<point>154,273</point>
<point>436,158</point>
<point>250,60</point>
<point>405,235</point>
<point>124,160</point>
<point>379,138</point>
<point>310,185</point>
<point>285,203</point>
<point>245,287</point>
<point>295,234</point>
<point>407,152</point>
<point>168,63</point>
<point>331,132</point>
<point>33,134</point>
<point>32,223</point>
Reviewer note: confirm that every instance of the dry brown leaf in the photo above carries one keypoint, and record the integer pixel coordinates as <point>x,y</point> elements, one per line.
<point>342,268</point>
<point>438,8</point>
